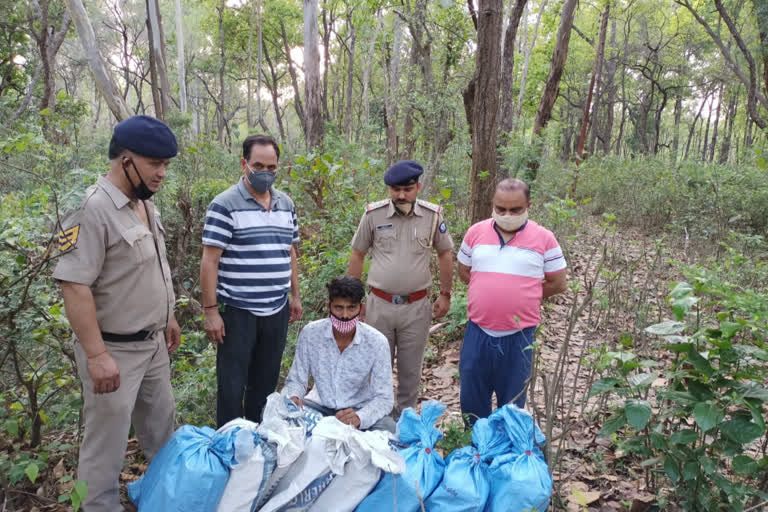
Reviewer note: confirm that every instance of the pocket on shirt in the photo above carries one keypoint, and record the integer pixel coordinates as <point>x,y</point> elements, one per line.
<point>142,244</point>
<point>421,238</point>
<point>385,238</point>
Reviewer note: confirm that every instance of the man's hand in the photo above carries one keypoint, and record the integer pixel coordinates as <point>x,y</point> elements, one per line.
<point>298,401</point>
<point>348,416</point>
<point>296,309</point>
<point>441,306</point>
<point>172,335</point>
<point>214,326</point>
<point>104,373</point>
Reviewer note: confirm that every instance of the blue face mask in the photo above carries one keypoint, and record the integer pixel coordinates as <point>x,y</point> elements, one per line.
<point>260,181</point>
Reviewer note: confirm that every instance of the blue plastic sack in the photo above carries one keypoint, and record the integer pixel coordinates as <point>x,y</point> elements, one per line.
<point>424,467</point>
<point>520,479</point>
<point>466,484</point>
<point>189,473</point>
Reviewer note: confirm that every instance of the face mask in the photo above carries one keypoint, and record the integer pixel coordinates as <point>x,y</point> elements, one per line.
<point>260,181</point>
<point>141,191</point>
<point>344,326</point>
<point>510,223</point>
<point>404,208</point>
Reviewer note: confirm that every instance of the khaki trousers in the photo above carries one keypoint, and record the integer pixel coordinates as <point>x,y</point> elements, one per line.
<point>143,399</point>
<point>406,326</point>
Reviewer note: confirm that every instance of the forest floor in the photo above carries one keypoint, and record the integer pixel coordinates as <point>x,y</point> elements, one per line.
<point>593,474</point>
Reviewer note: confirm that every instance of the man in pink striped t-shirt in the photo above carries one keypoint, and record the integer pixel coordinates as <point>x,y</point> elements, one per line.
<point>510,263</point>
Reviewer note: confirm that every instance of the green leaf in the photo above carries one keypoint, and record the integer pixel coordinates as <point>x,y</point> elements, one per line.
<point>681,289</point>
<point>690,470</point>
<point>683,305</point>
<point>445,192</point>
<point>707,464</point>
<point>78,494</point>
<point>32,471</point>
<point>728,329</point>
<point>640,380</point>
<point>744,465</point>
<point>684,436</point>
<point>707,415</point>
<point>671,469</point>
<point>741,430</point>
<point>12,427</point>
<point>665,328</point>
<point>638,413</point>
<point>603,385</point>
<point>613,424</point>
<point>699,362</point>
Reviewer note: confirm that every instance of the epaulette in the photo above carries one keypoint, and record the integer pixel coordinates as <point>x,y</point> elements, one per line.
<point>374,206</point>
<point>429,206</point>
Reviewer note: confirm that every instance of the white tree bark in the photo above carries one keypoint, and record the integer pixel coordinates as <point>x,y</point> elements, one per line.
<point>156,47</point>
<point>315,131</point>
<point>526,63</point>
<point>103,80</point>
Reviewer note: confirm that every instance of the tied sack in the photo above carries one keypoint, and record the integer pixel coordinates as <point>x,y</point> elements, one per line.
<point>360,458</point>
<point>423,465</point>
<point>255,461</point>
<point>466,483</point>
<point>189,473</point>
<point>284,427</point>
<point>520,477</point>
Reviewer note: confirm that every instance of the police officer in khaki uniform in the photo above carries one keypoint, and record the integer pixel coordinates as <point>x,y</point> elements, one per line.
<point>119,299</point>
<point>400,233</point>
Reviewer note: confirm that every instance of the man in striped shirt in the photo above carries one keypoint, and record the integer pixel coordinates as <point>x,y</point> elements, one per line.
<point>510,263</point>
<point>248,268</point>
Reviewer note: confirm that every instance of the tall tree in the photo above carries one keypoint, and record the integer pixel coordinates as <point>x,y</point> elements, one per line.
<point>393,74</point>
<point>490,20</point>
<point>181,68</point>
<point>101,76</point>
<point>507,118</point>
<point>557,65</point>
<point>161,89</point>
<point>313,124</point>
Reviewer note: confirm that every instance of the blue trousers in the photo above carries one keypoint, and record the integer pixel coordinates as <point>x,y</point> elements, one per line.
<point>490,365</point>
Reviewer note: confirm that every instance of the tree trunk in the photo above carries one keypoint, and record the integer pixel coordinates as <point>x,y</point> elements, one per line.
<point>313,125</point>
<point>678,115</point>
<point>249,76</point>
<point>274,92</point>
<point>761,15</point>
<point>596,67</point>
<point>327,29</point>
<point>182,73</point>
<point>368,68</point>
<point>526,64</point>
<point>725,148</point>
<point>507,118</point>
<point>220,103</point>
<point>392,96</point>
<point>157,52</point>
<point>101,76</point>
<point>713,144</point>
<point>409,139</point>
<point>350,78</point>
<point>552,86</point>
<point>294,80</point>
<point>259,62</point>
<point>610,90</point>
<point>486,107</point>
<point>692,129</point>
<point>706,132</point>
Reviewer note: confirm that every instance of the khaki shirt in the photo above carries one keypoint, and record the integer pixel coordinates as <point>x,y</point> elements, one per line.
<point>401,245</point>
<point>107,247</point>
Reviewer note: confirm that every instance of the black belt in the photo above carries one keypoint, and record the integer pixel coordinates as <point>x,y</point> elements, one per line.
<point>120,338</point>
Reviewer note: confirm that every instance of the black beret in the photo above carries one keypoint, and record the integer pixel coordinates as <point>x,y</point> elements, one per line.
<point>146,136</point>
<point>405,172</point>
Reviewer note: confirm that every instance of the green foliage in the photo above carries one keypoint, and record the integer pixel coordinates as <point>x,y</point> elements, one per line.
<point>699,427</point>
<point>455,435</point>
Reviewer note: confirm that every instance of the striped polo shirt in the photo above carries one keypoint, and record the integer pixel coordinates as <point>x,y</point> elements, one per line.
<point>255,267</point>
<point>505,279</point>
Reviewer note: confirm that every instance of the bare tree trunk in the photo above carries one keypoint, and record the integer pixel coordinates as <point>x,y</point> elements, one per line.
<point>486,107</point>
<point>275,94</point>
<point>761,15</point>
<point>526,64</point>
<point>706,132</point>
<point>596,67</point>
<point>294,80</point>
<point>350,78</point>
<point>693,126</point>
<point>314,129</point>
<point>610,88</point>
<point>725,148</point>
<point>249,76</point>
<point>552,86</point>
<point>157,52</point>
<point>394,83</point>
<point>410,142</point>
<point>221,102</point>
<point>28,96</point>
<point>182,73</point>
<point>713,144</point>
<point>678,115</point>
<point>368,68</point>
<point>102,78</point>
<point>259,61</point>
<point>507,118</point>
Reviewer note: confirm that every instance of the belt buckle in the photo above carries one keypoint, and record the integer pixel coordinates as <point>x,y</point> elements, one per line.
<point>399,299</point>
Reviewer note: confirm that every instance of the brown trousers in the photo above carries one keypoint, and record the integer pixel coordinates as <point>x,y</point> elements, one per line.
<point>143,399</point>
<point>406,326</point>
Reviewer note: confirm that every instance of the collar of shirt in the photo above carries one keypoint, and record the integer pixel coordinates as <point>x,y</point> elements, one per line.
<point>392,210</point>
<point>274,194</point>
<point>114,193</point>
<point>329,334</point>
<point>501,238</point>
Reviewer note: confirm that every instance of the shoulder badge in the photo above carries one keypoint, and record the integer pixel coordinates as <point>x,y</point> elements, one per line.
<point>374,206</point>
<point>429,206</point>
<point>68,238</point>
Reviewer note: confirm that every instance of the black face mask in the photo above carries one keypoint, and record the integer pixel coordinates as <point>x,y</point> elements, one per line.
<point>142,191</point>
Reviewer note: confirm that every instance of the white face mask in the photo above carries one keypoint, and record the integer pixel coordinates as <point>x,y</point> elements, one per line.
<point>510,223</point>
